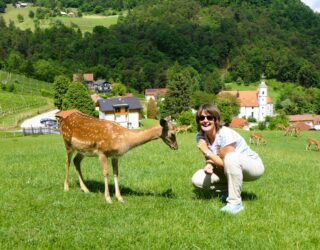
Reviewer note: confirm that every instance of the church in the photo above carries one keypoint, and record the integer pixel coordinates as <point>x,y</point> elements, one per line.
<point>254,103</point>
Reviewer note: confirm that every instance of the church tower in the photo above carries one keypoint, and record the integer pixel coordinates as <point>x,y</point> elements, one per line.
<point>262,98</point>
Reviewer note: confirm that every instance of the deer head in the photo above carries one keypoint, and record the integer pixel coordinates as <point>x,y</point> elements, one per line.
<point>168,133</point>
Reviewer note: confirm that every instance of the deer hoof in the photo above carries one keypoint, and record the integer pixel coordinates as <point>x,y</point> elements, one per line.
<point>108,200</point>
<point>66,188</point>
<point>120,200</point>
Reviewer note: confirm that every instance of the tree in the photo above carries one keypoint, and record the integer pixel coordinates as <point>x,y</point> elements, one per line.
<point>60,86</point>
<point>118,89</point>
<point>46,70</point>
<point>152,109</point>
<point>178,98</point>
<point>213,82</point>
<point>3,6</point>
<point>77,97</point>
<point>31,14</point>
<point>200,97</point>
<point>20,18</point>
<point>229,107</point>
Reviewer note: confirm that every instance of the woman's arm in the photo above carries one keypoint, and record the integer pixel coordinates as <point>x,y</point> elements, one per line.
<point>216,159</point>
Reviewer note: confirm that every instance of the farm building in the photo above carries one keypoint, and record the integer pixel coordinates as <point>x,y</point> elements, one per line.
<point>254,103</point>
<point>122,110</point>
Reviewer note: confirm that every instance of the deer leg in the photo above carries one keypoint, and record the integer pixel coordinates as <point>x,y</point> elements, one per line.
<point>115,178</point>
<point>66,180</point>
<point>77,161</point>
<point>104,163</point>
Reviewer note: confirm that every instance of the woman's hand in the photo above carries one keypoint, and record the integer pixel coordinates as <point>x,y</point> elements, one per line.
<point>203,146</point>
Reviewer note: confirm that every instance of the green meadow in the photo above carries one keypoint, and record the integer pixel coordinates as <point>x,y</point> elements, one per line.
<point>86,23</point>
<point>162,210</point>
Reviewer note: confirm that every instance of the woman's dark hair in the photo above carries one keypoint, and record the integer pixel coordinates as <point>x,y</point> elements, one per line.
<point>212,110</point>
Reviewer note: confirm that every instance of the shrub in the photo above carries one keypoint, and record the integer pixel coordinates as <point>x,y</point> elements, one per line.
<point>46,93</point>
<point>187,118</point>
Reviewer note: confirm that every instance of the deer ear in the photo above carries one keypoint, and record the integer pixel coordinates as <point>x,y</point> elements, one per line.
<point>164,122</point>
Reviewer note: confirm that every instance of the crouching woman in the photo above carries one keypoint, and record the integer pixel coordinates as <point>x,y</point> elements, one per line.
<point>230,161</point>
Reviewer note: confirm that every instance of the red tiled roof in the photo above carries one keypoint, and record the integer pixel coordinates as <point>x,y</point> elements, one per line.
<point>303,117</point>
<point>248,98</point>
<point>153,92</point>
<point>238,122</point>
<point>85,77</point>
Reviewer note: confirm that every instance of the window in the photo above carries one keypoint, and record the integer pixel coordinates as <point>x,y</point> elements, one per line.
<point>117,110</point>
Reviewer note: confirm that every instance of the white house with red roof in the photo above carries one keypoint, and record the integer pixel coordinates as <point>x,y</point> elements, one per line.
<point>254,103</point>
<point>157,93</point>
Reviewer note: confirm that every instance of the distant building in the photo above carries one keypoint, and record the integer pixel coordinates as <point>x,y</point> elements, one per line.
<point>122,110</point>
<point>254,103</point>
<point>313,121</point>
<point>87,78</point>
<point>156,94</point>
<point>102,86</point>
<point>21,5</point>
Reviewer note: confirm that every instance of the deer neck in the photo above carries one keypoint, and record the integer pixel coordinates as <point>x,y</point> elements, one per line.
<point>139,137</point>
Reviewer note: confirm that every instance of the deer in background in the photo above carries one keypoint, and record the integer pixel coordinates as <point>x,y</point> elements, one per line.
<point>312,141</point>
<point>257,138</point>
<point>89,136</point>
<point>281,127</point>
<point>183,128</point>
<point>292,130</point>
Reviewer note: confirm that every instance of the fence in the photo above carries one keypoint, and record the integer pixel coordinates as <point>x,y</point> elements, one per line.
<point>40,131</point>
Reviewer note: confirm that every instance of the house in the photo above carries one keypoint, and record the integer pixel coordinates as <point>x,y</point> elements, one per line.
<point>237,122</point>
<point>102,86</point>
<point>254,103</point>
<point>87,78</point>
<point>313,121</point>
<point>21,5</point>
<point>122,110</point>
<point>156,94</point>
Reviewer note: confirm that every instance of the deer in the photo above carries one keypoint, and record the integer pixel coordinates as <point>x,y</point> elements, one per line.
<point>312,141</point>
<point>89,136</point>
<point>183,128</point>
<point>292,130</point>
<point>257,138</point>
<point>281,127</point>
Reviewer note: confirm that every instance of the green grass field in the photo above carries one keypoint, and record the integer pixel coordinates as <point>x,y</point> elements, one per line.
<point>86,23</point>
<point>162,210</point>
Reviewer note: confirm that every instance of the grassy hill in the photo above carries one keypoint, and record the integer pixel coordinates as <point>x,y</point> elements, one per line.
<point>86,23</point>
<point>162,210</point>
<point>26,99</point>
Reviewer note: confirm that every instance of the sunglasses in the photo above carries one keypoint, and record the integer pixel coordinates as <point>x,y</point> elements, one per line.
<point>209,117</point>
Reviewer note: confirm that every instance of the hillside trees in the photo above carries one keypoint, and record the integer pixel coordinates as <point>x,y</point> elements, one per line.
<point>244,38</point>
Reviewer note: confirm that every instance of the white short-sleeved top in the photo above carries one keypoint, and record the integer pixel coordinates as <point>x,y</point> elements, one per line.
<point>225,137</point>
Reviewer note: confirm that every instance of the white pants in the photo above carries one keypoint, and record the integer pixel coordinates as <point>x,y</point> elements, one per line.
<point>237,168</point>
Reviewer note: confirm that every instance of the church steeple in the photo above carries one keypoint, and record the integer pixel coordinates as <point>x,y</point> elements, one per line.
<point>262,98</point>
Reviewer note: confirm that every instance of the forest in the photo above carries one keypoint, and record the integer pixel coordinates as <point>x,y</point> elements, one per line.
<point>218,41</point>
